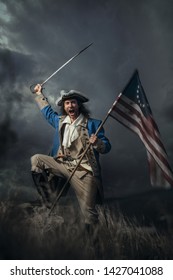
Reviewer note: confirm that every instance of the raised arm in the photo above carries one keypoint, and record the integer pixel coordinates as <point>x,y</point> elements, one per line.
<point>50,115</point>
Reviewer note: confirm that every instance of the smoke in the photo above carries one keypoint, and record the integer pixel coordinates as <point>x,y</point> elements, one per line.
<point>8,136</point>
<point>39,36</point>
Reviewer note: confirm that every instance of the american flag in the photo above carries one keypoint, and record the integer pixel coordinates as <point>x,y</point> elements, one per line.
<point>133,111</point>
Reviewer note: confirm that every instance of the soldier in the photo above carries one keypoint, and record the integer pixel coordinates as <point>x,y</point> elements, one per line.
<point>74,130</point>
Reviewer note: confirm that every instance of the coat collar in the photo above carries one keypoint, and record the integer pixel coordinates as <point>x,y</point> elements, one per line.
<point>62,118</point>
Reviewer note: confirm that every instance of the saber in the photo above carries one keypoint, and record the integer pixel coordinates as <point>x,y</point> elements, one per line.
<point>61,67</point>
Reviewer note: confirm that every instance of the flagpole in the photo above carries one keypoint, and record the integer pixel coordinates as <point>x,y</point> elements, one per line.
<point>84,153</point>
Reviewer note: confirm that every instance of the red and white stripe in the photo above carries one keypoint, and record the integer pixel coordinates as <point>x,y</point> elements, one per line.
<point>130,114</point>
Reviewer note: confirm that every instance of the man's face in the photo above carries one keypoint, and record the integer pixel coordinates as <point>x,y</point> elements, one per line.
<point>71,107</point>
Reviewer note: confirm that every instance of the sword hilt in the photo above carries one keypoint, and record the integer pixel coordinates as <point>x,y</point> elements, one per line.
<point>32,88</point>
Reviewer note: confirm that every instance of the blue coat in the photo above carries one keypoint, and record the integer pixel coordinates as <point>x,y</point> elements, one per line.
<point>92,124</point>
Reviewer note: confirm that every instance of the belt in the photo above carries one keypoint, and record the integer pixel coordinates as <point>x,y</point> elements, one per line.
<point>65,158</point>
<point>80,168</point>
<point>69,158</point>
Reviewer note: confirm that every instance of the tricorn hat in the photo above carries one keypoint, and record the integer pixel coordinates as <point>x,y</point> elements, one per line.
<point>64,95</point>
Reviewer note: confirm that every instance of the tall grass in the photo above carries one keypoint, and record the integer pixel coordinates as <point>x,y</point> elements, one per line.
<point>27,232</point>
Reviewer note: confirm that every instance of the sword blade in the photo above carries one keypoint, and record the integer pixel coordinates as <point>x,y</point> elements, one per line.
<point>67,62</point>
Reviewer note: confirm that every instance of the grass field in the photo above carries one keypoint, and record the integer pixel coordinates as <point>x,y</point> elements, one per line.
<point>26,232</point>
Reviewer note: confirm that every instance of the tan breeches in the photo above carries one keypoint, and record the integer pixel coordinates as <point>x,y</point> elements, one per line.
<point>84,184</point>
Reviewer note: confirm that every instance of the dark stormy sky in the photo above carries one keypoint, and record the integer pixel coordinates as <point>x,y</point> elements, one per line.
<point>36,37</point>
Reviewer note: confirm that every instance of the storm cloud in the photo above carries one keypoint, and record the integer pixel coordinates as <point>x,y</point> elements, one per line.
<point>36,37</point>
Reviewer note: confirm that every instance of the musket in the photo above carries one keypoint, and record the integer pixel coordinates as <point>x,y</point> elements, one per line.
<point>60,68</point>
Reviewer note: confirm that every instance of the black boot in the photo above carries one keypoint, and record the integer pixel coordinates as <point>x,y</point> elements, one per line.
<point>43,188</point>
